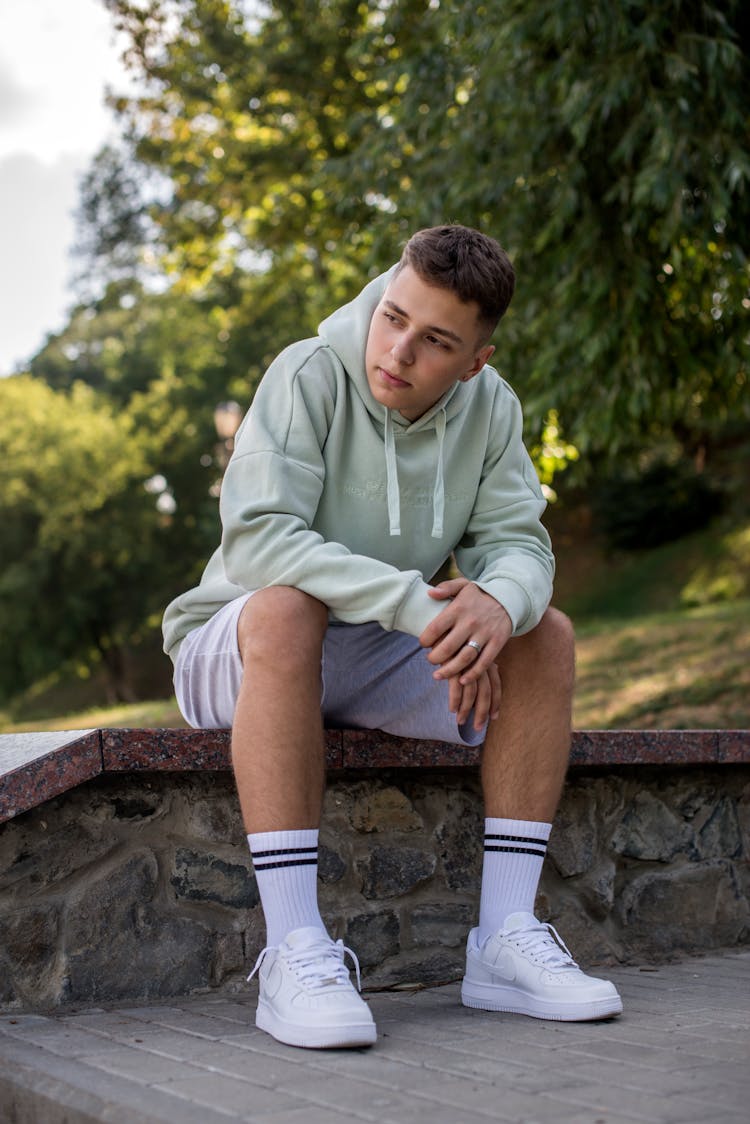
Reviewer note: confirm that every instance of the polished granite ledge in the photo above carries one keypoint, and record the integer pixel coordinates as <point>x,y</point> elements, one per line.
<point>38,766</point>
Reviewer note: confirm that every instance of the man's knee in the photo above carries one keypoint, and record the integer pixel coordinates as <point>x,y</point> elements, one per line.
<point>555,638</point>
<point>555,628</point>
<point>549,648</point>
<point>282,625</point>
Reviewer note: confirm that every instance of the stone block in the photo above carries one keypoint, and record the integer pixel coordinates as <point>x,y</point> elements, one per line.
<point>385,809</point>
<point>424,969</point>
<point>573,841</point>
<point>28,953</point>
<point>652,832</point>
<point>373,936</point>
<point>697,801</point>
<point>460,839</point>
<point>693,906</point>
<point>589,942</point>
<point>44,849</point>
<point>200,876</point>
<point>388,872</point>
<point>331,866</point>
<point>721,836</point>
<point>228,956</point>
<point>212,811</point>
<point>445,924</point>
<point>597,889</point>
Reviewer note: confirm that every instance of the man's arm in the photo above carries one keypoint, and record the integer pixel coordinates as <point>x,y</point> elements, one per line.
<point>507,555</point>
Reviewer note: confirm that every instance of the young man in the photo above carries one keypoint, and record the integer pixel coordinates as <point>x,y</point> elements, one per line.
<point>370,455</point>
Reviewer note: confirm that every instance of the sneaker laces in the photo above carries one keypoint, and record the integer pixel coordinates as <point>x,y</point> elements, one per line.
<point>317,966</point>
<point>542,943</point>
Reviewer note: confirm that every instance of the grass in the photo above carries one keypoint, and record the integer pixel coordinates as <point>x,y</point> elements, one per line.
<point>148,714</point>
<point>683,669</point>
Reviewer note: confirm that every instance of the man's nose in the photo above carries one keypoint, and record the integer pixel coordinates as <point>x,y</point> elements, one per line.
<point>403,350</point>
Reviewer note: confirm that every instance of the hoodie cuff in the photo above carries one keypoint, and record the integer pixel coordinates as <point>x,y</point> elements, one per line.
<point>417,610</point>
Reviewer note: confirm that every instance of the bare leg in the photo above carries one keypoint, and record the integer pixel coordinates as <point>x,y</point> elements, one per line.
<point>513,962</point>
<point>527,746</point>
<point>277,736</point>
<point>305,995</point>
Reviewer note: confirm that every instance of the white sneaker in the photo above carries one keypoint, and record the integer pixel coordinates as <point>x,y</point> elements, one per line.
<point>526,968</point>
<point>305,995</point>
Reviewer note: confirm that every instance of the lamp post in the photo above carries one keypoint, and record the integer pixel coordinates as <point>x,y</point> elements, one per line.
<point>227,418</point>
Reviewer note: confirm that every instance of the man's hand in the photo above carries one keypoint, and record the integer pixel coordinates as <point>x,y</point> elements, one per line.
<point>473,678</point>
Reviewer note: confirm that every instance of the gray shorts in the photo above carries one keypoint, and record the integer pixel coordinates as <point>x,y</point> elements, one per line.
<point>371,680</point>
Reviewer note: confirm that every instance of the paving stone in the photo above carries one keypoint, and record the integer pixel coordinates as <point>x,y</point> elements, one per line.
<point>307,1114</point>
<point>363,1100</point>
<point>272,1073</point>
<point>233,1010</point>
<point>70,1043</point>
<point>236,1097</point>
<point>139,1065</point>
<point>191,1020</point>
<point>164,1043</point>
<point>631,1102</point>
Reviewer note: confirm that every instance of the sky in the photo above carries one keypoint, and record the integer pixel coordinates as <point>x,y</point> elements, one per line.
<point>56,58</point>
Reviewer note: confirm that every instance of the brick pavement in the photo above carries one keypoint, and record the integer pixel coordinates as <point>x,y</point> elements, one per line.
<point>678,1054</point>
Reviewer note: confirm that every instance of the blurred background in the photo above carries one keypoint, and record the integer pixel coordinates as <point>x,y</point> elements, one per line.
<point>190,185</point>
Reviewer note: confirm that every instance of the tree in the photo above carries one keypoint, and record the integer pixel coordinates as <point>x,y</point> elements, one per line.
<point>85,555</point>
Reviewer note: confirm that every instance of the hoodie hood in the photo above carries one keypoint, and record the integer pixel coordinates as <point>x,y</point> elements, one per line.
<point>345,331</point>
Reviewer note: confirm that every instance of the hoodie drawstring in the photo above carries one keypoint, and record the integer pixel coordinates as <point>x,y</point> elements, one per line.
<point>438,495</point>
<point>391,476</point>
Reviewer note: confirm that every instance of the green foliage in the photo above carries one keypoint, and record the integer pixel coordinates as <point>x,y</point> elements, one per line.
<point>87,552</point>
<point>708,567</point>
<point>724,573</point>
<point>553,454</point>
<point>662,503</point>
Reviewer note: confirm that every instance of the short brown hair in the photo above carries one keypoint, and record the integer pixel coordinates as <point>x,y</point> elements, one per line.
<point>472,265</point>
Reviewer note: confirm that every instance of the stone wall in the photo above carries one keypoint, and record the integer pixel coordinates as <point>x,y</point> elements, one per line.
<point>139,886</point>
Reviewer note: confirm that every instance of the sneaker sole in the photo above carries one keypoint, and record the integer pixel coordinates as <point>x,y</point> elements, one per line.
<point>491,997</point>
<point>315,1037</point>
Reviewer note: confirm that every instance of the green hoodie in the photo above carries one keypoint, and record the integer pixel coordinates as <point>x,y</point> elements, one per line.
<point>332,493</point>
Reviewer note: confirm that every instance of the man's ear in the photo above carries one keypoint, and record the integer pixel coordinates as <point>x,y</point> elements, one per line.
<point>480,359</point>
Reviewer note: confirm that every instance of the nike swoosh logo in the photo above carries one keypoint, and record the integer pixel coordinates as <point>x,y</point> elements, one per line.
<point>504,967</point>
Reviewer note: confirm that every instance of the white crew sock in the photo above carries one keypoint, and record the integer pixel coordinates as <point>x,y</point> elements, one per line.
<point>514,851</point>
<point>286,870</point>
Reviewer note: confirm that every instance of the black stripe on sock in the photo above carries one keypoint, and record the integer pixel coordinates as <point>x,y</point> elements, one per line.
<point>518,839</point>
<point>284,851</point>
<point>518,850</point>
<point>286,862</point>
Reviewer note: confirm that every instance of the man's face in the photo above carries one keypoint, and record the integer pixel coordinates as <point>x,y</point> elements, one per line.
<point>422,340</point>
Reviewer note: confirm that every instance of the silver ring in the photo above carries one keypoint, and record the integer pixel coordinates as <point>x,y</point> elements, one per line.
<point>475,645</point>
